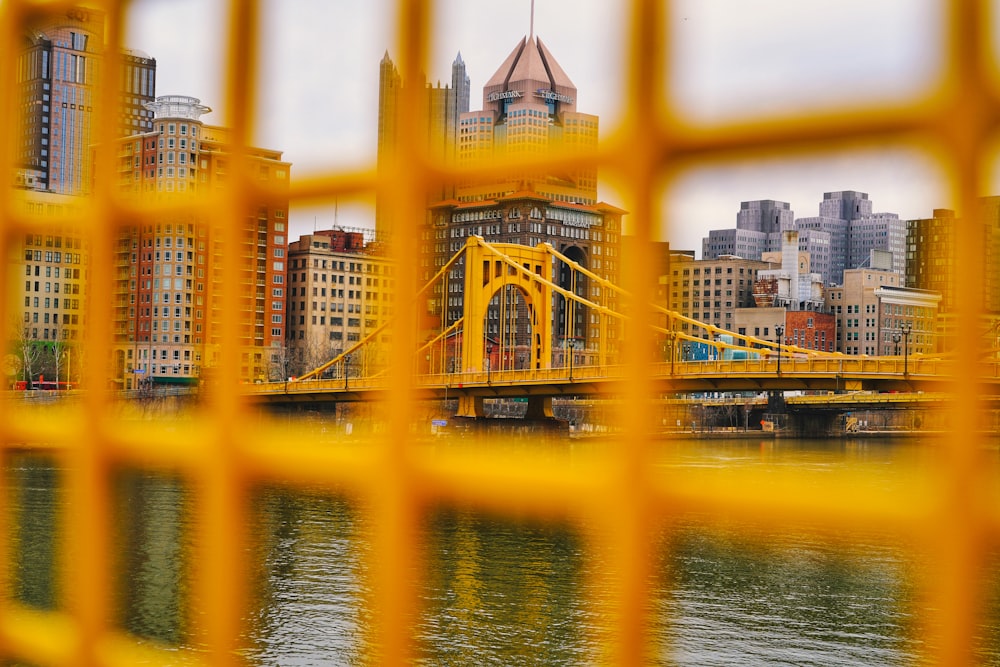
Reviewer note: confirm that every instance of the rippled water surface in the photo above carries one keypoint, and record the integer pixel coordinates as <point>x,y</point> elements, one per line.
<point>502,592</point>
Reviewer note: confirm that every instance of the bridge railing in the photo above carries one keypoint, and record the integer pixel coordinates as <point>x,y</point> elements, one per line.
<point>831,367</point>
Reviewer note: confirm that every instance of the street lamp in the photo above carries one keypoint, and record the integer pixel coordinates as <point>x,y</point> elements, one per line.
<point>895,340</point>
<point>906,330</point>
<point>347,368</point>
<point>572,353</point>
<point>778,330</point>
<point>489,366</point>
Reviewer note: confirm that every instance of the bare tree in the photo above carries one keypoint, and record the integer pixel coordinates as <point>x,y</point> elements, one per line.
<point>25,347</point>
<point>279,364</point>
<point>59,347</point>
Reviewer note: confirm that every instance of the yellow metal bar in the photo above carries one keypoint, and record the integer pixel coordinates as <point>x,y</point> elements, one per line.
<point>952,511</point>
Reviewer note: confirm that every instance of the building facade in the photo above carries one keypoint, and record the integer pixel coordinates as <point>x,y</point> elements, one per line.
<point>907,317</point>
<point>712,290</point>
<point>855,305</point>
<point>339,293</point>
<point>930,256</point>
<point>169,276</point>
<point>854,231</point>
<point>48,276</point>
<point>810,330</point>
<point>58,69</point>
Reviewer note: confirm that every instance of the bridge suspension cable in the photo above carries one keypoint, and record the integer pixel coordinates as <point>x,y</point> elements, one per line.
<point>718,337</point>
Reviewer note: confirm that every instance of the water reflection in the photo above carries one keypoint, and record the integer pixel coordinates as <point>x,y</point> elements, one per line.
<point>795,599</point>
<point>153,547</point>
<point>308,555</point>
<point>503,593</point>
<point>34,490</point>
<point>498,591</point>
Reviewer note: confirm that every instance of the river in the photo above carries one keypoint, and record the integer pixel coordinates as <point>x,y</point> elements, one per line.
<point>499,592</point>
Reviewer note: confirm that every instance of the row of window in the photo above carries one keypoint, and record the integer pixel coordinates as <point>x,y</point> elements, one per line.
<point>52,256</point>
<point>51,318</point>
<point>51,334</point>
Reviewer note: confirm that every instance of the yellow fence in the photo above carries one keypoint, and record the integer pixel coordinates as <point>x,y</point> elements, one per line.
<point>223,454</point>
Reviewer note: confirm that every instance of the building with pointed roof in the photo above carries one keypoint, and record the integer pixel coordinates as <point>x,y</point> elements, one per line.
<point>440,109</point>
<point>529,110</point>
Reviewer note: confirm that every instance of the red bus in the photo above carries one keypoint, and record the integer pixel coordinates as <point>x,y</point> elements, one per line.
<point>43,385</point>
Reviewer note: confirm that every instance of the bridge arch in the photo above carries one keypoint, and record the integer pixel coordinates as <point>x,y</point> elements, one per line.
<point>495,269</point>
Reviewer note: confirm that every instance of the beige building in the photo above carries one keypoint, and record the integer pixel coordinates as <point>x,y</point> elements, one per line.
<point>856,308</point>
<point>339,292</point>
<point>711,290</point>
<point>48,279</point>
<point>872,308</point>
<point>760,322</point>
<point>907,317</point>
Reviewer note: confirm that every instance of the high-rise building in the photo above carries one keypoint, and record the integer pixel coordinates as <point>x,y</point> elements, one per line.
<point>748,243</point>
<point>339,292</point>
<point>765,215</point>
<point>930,255</point>
<point>58,68</point>
<point>439,111</point>
<point>854,231</point>
<point>931,263</point>
<point>759,228</point>
<point>169,270</point>
<point>529,109</point>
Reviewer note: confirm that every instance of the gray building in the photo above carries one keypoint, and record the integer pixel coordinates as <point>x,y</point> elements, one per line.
<point>759,228</point>
<point>855,231</point>
<point>765,215</point>
<point>440,109</point>
<point>879,231</point>
<point>759,224</point>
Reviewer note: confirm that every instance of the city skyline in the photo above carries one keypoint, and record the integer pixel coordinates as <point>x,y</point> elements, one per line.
<point>763,63</point>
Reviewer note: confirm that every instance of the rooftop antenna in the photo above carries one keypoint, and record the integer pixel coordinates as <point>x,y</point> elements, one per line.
<point>531,27</point>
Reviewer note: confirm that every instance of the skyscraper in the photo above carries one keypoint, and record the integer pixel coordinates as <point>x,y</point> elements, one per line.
<point>58,69</point>
<point>529,109</point>
<point>440,110</point>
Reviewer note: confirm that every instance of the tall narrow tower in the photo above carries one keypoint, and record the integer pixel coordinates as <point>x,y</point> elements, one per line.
<point>440,109</point>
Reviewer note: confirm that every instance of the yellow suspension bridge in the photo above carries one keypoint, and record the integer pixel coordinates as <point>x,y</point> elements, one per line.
<point>506,344</point>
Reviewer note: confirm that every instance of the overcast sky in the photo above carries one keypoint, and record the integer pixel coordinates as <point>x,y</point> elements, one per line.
<point>319,98</point>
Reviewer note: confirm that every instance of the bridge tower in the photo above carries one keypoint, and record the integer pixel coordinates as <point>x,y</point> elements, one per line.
<point>489,269</point>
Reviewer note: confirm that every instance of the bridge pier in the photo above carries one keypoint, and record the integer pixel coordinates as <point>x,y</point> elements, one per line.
<point>539,407</point>
<point>539,414</point>
<point>470,407</point>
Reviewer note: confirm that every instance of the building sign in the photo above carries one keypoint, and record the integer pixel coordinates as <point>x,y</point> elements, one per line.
<point>573,218</point>
<point>553,96</point>
<point>504,95</point>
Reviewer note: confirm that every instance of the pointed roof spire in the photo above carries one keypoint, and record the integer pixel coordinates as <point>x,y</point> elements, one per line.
<point>531,26</point>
